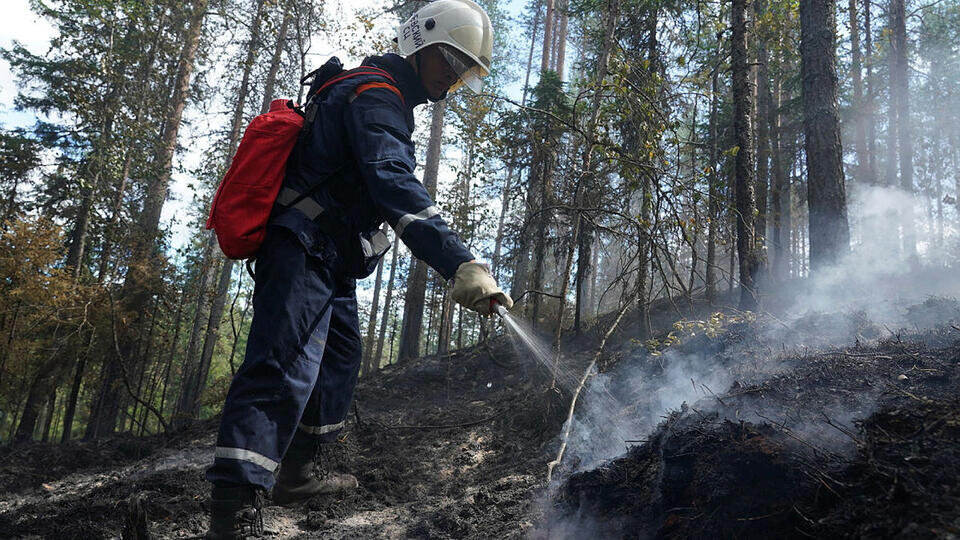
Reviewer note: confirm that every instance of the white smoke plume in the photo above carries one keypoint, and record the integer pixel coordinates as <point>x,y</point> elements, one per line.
<point>865,297</point>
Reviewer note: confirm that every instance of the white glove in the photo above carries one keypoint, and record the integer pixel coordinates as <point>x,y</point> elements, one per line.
<point>474,288</point>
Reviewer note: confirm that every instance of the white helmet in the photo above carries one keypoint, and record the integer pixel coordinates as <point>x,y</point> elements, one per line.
<point>460,24</point>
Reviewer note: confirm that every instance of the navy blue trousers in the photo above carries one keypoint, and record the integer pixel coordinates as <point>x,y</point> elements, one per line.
<point>300,368</point>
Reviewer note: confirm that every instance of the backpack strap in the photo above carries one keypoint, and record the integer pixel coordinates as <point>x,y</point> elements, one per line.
<point>310,108</point>
<point>370,86</point>
<point>362,70</point>
<point>302,201</point>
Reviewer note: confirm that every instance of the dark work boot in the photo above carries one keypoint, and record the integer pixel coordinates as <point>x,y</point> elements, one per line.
<point>297,482</point>
<point>235,513</point>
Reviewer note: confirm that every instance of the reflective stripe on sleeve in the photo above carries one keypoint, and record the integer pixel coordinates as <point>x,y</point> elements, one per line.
<point>322,430</point>
<point>407,219</point>
<point>243,454</point>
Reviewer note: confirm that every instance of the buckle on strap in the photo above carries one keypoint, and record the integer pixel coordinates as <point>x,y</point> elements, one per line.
<point>292,198</point>
<point>375,244</point>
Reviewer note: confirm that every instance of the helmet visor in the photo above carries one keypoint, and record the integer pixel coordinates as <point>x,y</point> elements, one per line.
<point>467,70</point>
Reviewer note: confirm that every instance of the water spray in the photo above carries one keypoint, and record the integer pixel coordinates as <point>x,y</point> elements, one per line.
<point>568,381</point>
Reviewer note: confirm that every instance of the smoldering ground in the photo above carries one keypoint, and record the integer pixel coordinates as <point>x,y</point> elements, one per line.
<point>803,377</point>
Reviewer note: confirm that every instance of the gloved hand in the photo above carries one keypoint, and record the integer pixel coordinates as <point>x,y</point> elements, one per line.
<point>474,287</point>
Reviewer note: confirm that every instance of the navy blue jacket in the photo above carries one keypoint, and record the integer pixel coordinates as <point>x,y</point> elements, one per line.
<point>360,146</point>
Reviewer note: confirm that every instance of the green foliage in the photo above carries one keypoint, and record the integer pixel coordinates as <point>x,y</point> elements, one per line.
<point>713,327</point>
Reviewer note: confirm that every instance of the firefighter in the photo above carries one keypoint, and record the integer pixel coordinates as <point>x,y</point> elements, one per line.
<point>293,391</point>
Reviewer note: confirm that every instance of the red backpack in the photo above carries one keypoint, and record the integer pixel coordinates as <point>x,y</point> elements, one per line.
<point>246,195</point>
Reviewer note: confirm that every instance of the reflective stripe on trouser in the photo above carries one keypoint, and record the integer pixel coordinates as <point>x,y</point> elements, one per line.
<point>302,358</point>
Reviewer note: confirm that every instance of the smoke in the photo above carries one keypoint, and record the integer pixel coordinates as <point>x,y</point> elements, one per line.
<point>879,288</point>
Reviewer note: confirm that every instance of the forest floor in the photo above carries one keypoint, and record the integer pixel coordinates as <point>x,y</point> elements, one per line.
<point>825,426</point>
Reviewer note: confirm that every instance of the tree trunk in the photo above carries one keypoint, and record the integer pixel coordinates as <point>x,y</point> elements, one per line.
<point>644,244</point>
<point>582,277</point>
<point>191,407</point>
<point>859,129</point>
<point>372,321</point>
<point>901,88</point>
<point>956,171</point>
<point>173,350</point>
<point>210,338</point>
<point>612,16</point>
<point>518,281</point>
<point>75,389</point>
<point>378,356</point>
<point>547,37</point>
<point>93,171</point>
<point>764,99</point>
<point>744,166</point>
<point>201,313</point>
<point>139,274</point>
<point>271,81</point>
<point>505,205</point>
<point>48,420</point>
<point>869,106</point>
<point>417,284</point>
<point>781,187</point>
<point>713,192</point>
<point>562,39</point>
<point>540,187</point>
<point>826,195</point>
<point>31,410</point>
<point>446,323</point>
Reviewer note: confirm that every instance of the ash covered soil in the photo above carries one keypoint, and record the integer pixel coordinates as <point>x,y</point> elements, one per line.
<point>447,447</point>
<point>849,436</point>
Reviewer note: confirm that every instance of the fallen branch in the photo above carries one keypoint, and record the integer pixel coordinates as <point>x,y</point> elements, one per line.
<point>576,393</point>
<point>842,429</point>
<point>534,291</point>
<point>878,356</point>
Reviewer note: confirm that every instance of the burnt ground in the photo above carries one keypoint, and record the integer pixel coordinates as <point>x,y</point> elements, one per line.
<point>442,447</point>
<point>828,437</point>
<point>859,442</point>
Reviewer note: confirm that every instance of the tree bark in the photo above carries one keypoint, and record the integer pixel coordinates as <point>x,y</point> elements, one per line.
<point>75,389</point>
<point>547,37</point>
<point>859,129</point>
<point>781,189</point>
<point>713,192</point>
<point>275,62</point>
<point>900,86</point>
<point>562,39</point>
<point>869,106</point>
<point>48,417</point>
<point>826,195</point>
<point>744,166</point>
<point>201,312</point>
<point>372,322</point>
<point>764,99</point>
<point>582,277</point>
<point>378,356</point>
<point>417,284</point>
